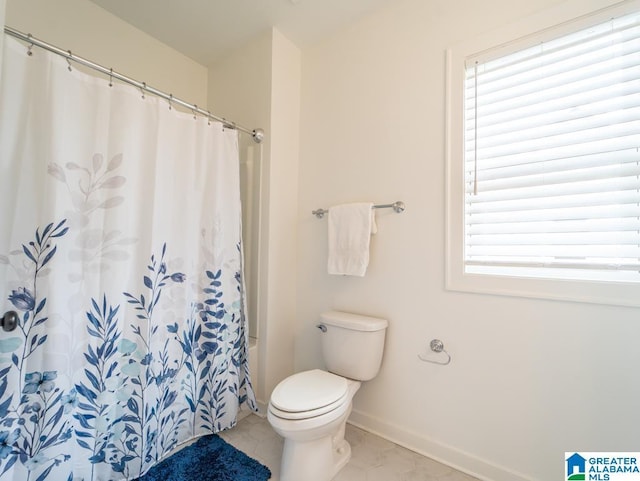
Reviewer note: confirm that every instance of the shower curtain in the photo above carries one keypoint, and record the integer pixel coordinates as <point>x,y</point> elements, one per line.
<point>120,251</point>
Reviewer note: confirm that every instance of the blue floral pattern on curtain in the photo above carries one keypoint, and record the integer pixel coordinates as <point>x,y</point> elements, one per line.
<point>126,276</point>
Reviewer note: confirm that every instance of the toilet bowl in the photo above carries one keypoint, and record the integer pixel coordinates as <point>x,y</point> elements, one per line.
<point>310,409</point>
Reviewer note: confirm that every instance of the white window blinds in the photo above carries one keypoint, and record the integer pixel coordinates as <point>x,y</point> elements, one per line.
<point>552,158</point>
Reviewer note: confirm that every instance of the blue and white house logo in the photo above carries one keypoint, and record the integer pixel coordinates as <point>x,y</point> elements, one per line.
<point>601,466</point>
<point>576,467</point>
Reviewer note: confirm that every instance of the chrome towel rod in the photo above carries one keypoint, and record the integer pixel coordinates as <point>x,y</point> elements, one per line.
<point>397,206</point>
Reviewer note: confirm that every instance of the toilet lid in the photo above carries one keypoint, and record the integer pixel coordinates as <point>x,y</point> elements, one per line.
<point>309,390</point>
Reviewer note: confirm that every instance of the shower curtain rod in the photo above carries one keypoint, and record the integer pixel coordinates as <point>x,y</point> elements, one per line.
<point>256,134</point>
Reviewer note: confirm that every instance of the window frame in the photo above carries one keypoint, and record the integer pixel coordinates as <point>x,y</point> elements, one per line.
<point>562,19</point>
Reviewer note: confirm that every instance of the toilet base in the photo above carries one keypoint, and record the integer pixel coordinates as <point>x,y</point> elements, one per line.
<point>314,448</point>
<point>341,457</point>
<point>316,460</point>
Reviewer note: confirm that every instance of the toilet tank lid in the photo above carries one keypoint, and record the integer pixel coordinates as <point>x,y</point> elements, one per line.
<point>353,321</point>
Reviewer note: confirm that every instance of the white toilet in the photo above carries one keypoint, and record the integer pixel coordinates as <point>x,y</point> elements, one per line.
<point>310,409</point>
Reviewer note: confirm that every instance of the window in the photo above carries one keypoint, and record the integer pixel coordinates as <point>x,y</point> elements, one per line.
<point>548,154</point>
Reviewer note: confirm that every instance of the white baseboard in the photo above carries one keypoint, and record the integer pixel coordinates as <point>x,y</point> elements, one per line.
<point>453,457</point>
<point>245,410</point>
<point>262,408</point>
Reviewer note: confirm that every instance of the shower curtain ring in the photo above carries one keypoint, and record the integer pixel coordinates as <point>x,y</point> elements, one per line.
<point>111,77</point>
<point>170,100</point>
<point>194,109</point>
<point>143,88</point>
<point>30,47</point>
<point>69,60</point>
<point>208,117</point>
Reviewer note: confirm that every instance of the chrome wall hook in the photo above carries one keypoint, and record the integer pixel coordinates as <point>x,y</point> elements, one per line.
<point>436,346</point>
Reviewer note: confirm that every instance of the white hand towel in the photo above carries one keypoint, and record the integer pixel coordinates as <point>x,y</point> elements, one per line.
<point>350,229</point>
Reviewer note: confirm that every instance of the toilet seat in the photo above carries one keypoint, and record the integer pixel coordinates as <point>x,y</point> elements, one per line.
<point>308,394</point>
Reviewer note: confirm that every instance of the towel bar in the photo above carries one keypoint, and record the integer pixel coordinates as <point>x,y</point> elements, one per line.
<point>397,206</point>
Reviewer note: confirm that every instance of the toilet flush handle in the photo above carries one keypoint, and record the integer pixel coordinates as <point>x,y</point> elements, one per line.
<point>322,327</point>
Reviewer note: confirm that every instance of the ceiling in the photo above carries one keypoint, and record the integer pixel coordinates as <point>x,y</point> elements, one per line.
<point>207,29</point>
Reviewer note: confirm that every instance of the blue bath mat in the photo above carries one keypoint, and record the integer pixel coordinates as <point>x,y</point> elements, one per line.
<point>208,459</point>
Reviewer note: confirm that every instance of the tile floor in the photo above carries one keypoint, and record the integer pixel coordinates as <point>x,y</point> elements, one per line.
<point>373,458</point>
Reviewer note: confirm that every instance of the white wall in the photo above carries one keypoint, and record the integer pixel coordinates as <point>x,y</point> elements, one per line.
<point>91,32</point>
<point>530,379</point>
<point>240,89</point>
<point>3,5</point>
<point>281,279</point>
<point>239,85</point>
<point>258,85</point>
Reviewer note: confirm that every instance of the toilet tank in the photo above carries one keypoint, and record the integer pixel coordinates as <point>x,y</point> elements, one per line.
<point>352,344</point>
